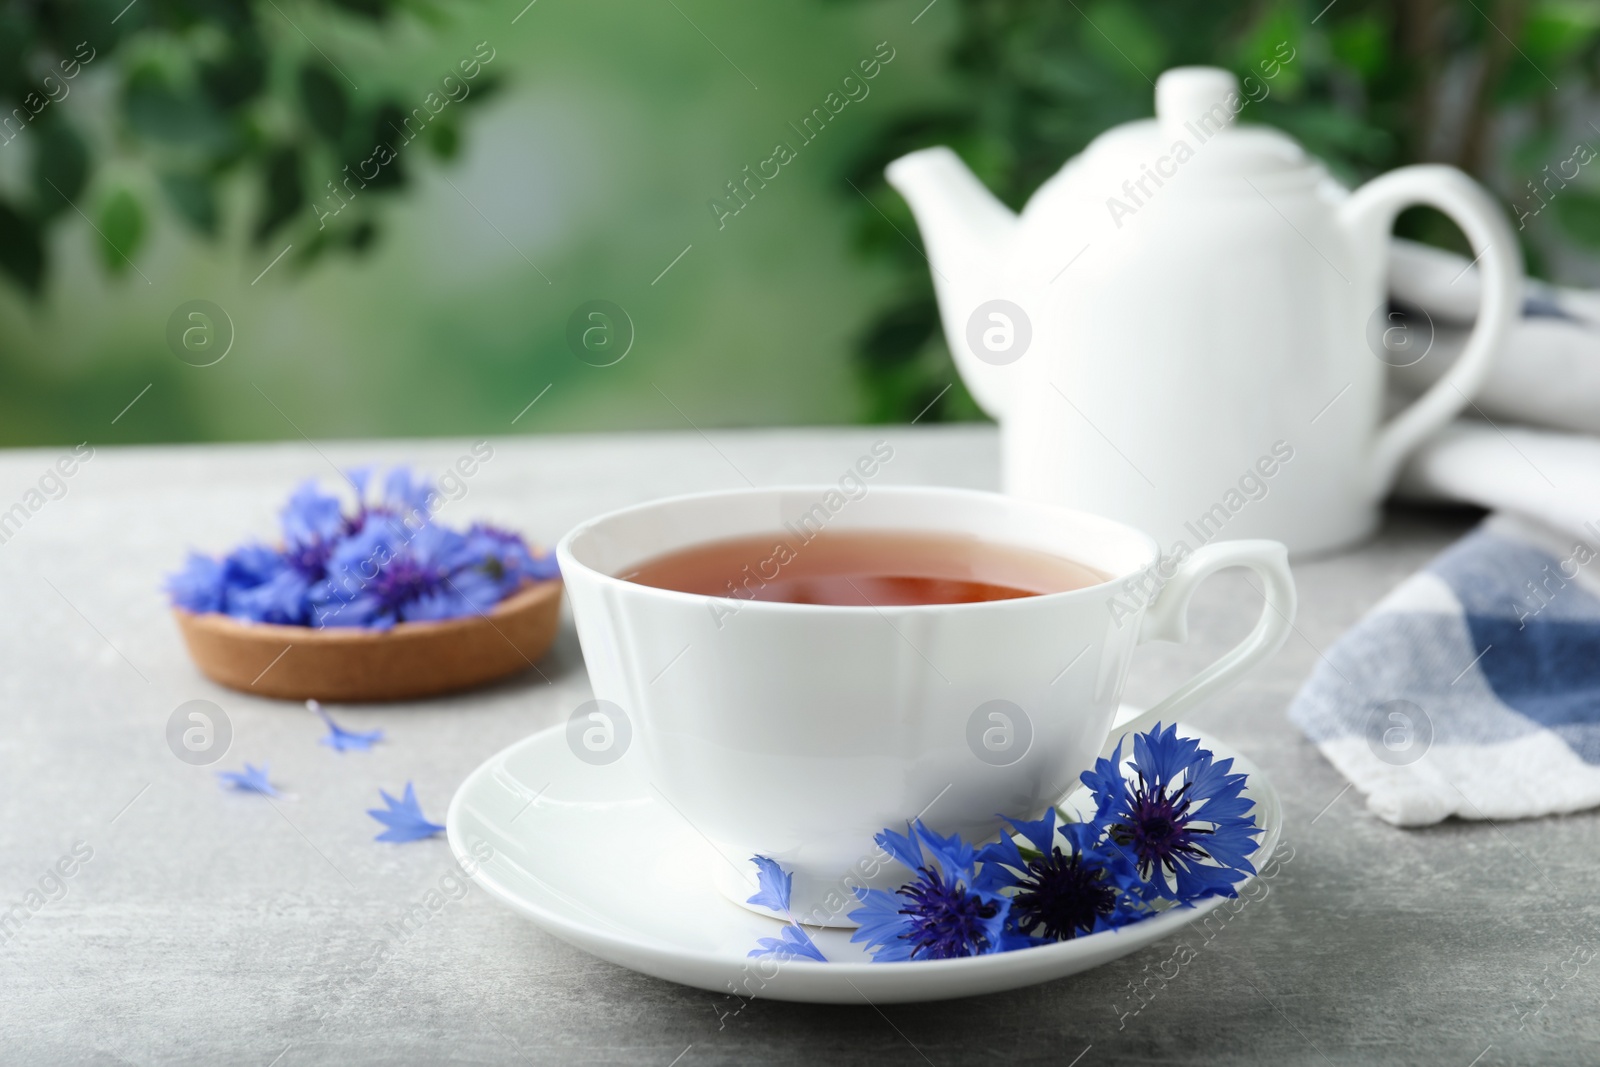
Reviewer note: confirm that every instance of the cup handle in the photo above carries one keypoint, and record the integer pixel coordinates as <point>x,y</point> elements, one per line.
<point>1167,619</point>
<point>1367,216</point>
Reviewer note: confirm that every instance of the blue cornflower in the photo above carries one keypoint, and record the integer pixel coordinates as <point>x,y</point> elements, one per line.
<point>507,558</point>
<point>379,577</point>
<point>383,563</point>
<point>409,495</point>
<point>251,582</point>
<point>1061,892</point>
<point>313,524</point>
<point>359,478</point>
<point>262,585</point>
<point>1183,821</point>
<point>250,565</point>
<point>403,502</point>
<point>198,586</point>
<point>950,909</point>
<point>311,519</point>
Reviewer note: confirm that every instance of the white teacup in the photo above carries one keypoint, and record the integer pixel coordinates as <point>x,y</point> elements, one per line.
<point>798,731</point>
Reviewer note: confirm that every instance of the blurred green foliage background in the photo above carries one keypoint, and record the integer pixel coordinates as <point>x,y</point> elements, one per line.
<point>196,155</point>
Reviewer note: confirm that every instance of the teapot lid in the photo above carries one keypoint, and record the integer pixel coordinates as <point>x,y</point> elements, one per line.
<point>1194,131</point>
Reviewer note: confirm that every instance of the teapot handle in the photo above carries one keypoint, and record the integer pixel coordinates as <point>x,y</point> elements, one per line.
<point>1367,216</point>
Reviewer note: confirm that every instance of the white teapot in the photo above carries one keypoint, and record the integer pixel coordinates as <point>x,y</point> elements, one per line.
<point>1186,328</point>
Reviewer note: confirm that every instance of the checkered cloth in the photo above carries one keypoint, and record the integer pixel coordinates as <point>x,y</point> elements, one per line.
<point>1473,689</point>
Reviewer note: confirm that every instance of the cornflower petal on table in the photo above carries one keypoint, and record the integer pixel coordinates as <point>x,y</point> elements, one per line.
<point>250,780</point>
<point>403,818</point>
<point>341,740</point>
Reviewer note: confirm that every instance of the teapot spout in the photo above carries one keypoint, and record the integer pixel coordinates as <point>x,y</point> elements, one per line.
<point>968,235</point>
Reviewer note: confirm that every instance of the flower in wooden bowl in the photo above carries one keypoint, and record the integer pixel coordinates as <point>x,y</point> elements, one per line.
<point>378,602</point>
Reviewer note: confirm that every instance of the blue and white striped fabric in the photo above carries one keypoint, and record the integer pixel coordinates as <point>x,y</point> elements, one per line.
<point>1473,689</point>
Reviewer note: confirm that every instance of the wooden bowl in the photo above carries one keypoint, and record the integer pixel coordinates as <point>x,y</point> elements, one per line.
<point>414,659</point>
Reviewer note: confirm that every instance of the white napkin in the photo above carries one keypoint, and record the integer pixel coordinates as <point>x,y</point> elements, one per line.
<point>1503,455</point>
<point>1551,477</point>
<point>1549,373</point>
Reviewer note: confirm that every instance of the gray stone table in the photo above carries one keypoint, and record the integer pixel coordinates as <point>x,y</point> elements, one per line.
<point>201,926</point>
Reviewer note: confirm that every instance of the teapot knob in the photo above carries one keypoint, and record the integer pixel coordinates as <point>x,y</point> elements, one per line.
<point>1196,95</point>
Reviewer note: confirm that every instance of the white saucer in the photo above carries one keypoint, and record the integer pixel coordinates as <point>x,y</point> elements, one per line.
<point>596,856</point>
